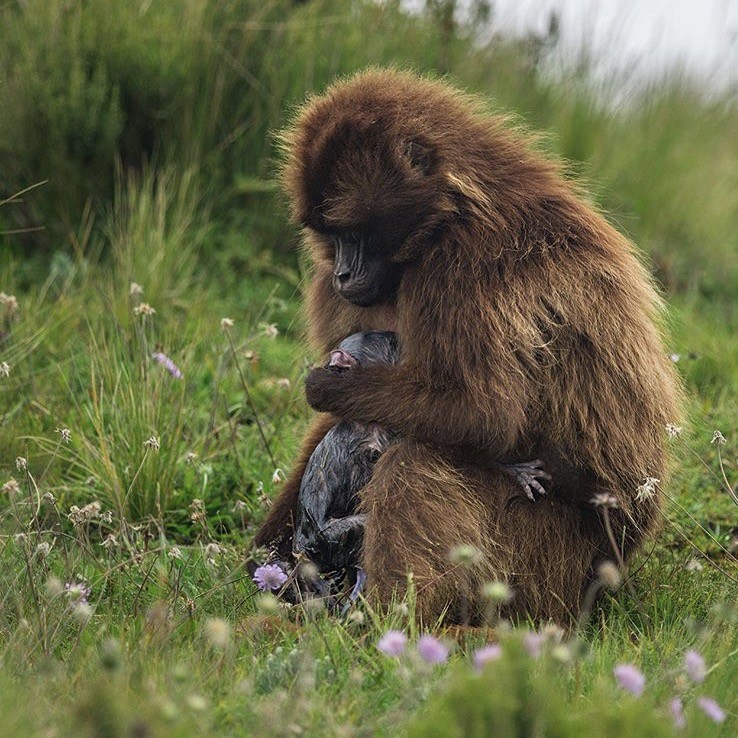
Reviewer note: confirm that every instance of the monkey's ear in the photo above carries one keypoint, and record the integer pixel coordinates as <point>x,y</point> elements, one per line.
<point>420,156</point>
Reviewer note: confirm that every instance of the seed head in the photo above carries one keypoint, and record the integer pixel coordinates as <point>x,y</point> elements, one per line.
<point>647,490</point>
<point>605,499</point>
<point>497,592</point>
<point>135,290</point>
<point>357,616</point>
<point>21,463</point>
<point>43,549</point>
<point>718,438</point>
<point>152,443</point>
<point>673,431</point>
<point>218,633</point>
<point>11,487</point>
<point>269,330</point>
<point>278,476</point>
<point>465,555</point>
<point>9,302</point>
<point>174,552</point>
<point>609,574</point>
<point>4,369</point>
<point>226,324</point>
<point>65,433</point>
<point>143,308</point>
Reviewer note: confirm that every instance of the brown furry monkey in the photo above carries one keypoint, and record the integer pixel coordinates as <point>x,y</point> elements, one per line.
<point>528,327</point>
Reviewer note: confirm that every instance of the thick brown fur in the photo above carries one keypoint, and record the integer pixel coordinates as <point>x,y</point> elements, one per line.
<point>529,329</point>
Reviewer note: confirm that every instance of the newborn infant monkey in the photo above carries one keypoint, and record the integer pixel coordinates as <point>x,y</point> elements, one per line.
<point>328,531</point>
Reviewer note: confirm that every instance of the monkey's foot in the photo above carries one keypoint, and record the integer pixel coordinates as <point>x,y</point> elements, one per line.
<point>527,474</point>
<point>355,591</point>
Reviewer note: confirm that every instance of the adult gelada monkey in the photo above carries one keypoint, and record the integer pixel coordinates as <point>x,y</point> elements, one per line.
<point>529,330</point>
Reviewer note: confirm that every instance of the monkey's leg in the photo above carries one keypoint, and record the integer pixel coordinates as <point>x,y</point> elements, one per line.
<point>419,507</point>
<point>552,550</point>
<point>276,530</point>
<point>338,527</point>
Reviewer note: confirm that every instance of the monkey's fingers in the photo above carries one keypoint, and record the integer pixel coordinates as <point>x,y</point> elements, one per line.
<point>539,488</point>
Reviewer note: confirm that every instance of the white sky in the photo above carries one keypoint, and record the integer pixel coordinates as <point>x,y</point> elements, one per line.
<point>640,36</point>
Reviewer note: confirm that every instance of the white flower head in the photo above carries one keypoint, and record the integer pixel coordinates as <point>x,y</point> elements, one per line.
<point>605,499</point>
<point>65,433</point>
<point>226,323</point>
<point>269,330</point>
<point>152,443</point>
<point>647,490</point>
<point>673,431</point>
<point>4,369</point>
<point>11,487</point>
<point>9,302</point>
<point>278,476</point>
<point>21,463</point>
<point>718,438</point>
<point>143,308</point>
<point>135,290</point>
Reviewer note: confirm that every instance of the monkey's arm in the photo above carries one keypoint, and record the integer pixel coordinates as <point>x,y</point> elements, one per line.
<point>392,398</point>
<point>469,374</point>
<point>278,526</point>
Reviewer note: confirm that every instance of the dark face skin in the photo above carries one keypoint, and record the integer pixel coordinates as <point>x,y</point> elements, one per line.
<point>362,274</point>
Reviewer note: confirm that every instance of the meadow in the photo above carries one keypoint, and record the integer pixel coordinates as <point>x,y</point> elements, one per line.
<point>142,436</point>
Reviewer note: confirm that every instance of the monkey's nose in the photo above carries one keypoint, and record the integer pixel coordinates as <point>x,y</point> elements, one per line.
<point>343,276</point>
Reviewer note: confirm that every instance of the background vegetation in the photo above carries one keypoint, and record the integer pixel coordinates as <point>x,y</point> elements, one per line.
<point>137,147</point>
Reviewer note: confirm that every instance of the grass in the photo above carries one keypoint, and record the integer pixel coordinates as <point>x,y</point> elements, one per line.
<point>177,196</point>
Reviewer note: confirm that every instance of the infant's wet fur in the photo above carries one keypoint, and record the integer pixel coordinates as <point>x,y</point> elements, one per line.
<point>327,530</point>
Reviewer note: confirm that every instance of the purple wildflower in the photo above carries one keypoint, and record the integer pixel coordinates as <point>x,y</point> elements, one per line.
<point>432,651</point>
<point>677,712</point>
<point>483,655</point>
<point>77,593</point>
<point>711,709</point>
<point>630,679</point>
<point>269,576</point>
<point>694,665</point>
<point>532,643</point>
<point>167,363</point>
<point>392,643</point>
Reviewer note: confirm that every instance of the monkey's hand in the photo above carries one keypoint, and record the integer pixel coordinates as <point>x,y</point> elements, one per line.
<point>527,474</point>
<point>324,388</point>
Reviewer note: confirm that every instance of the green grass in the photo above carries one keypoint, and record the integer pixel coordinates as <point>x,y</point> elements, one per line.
<point>156,137</point>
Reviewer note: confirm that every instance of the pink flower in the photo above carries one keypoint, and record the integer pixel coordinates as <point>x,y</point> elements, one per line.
<point>630,679</point>
<point>392,643</point>
<point>269,576</point>
<point>694,665</point>
<point>432,651</point>
<point>491,652</point>
<point>677,712</point>
<point>711,709</point>
<point>167,363</point>
<point>532,642</point>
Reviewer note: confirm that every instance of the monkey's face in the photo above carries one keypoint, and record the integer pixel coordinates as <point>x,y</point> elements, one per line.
<point>363,273</point>
<point>366,184</point>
